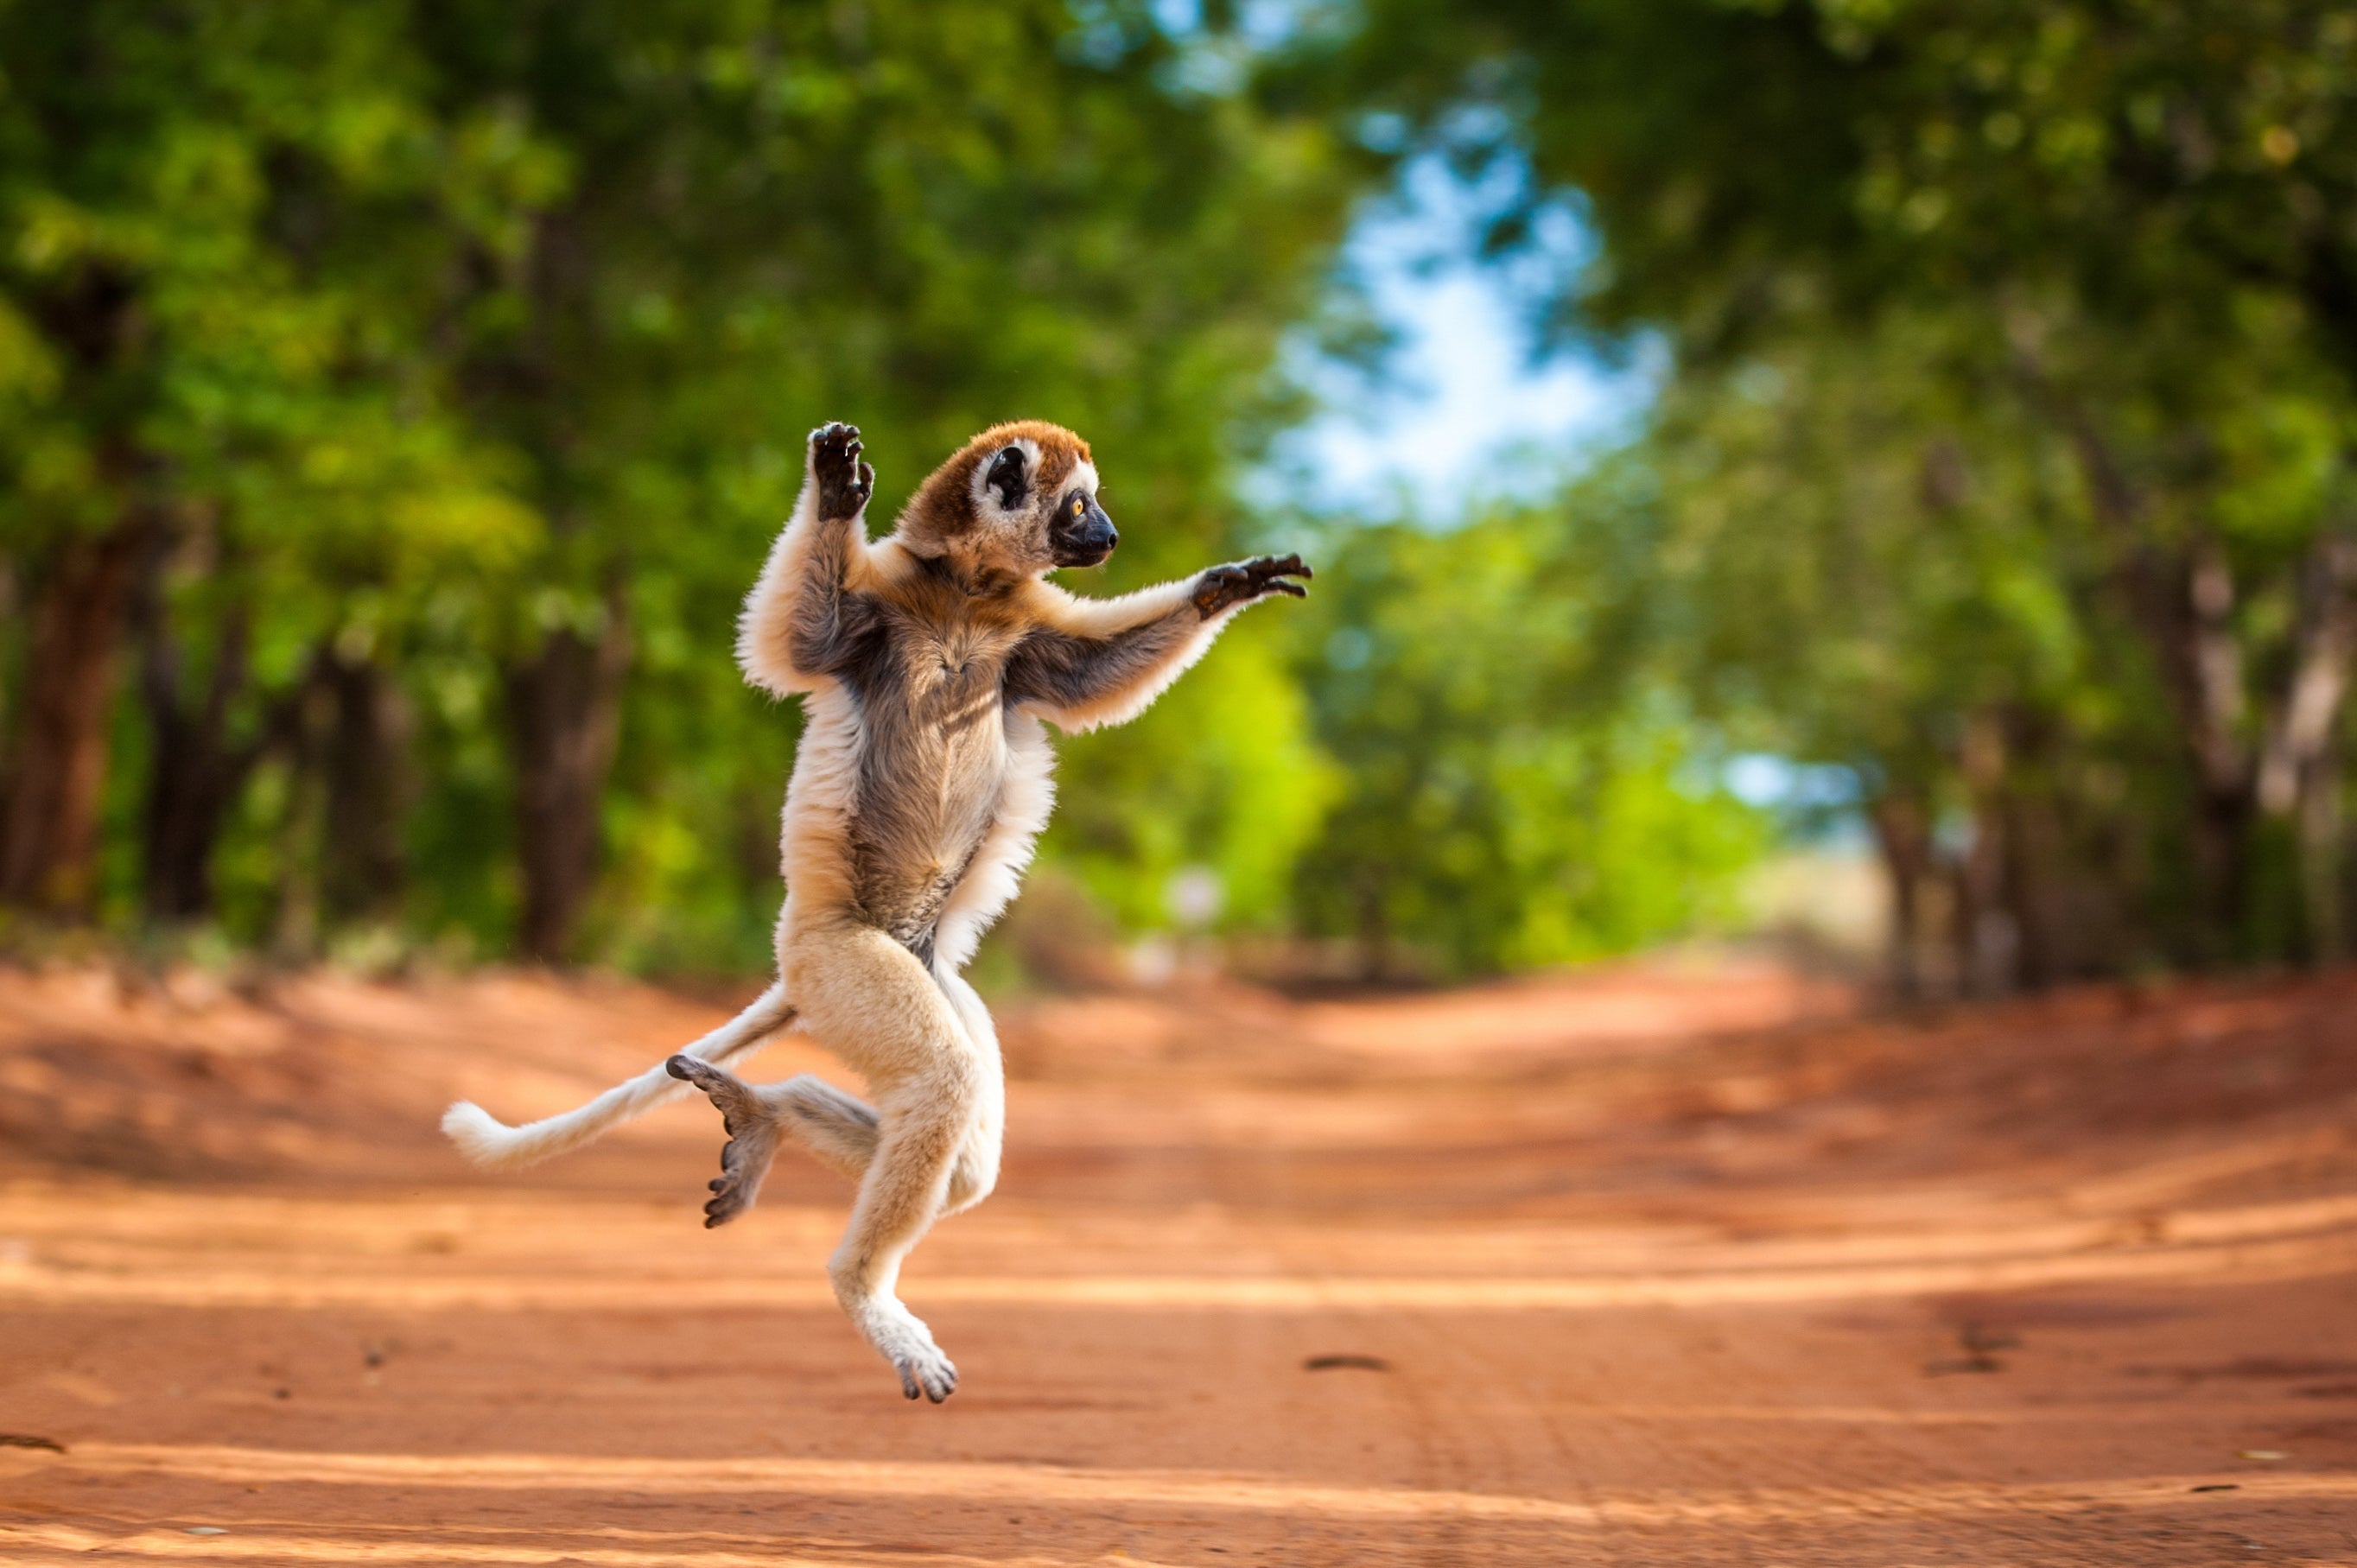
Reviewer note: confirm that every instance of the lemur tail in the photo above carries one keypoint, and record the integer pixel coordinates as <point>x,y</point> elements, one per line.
<point>491,1143</point>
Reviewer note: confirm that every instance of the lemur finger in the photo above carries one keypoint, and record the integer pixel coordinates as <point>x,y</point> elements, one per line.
<point>1279,586</point>
<point>1281,566</point>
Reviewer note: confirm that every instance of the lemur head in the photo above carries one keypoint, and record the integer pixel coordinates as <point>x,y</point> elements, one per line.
<point>1020,497</point>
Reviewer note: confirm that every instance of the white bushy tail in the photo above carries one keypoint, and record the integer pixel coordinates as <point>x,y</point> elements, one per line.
<point>493,1144</point>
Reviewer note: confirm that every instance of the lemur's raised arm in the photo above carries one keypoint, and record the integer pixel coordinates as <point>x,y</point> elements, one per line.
<point>1091,662</point>
<point>803,611</point>
<point>921,781</point>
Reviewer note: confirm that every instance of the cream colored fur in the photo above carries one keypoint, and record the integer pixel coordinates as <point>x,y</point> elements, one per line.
<point>495,1145</point>
<point>1106,618</point>
<point>918,1034</point>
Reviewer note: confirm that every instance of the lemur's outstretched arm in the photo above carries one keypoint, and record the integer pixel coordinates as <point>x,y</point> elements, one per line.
<point>801,614</point>
<point>1096,662</point>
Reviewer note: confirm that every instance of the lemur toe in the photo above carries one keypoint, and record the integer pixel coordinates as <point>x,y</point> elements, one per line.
<point>752,1137</point>
<point>933,1375</point>
<point>734,1190</point>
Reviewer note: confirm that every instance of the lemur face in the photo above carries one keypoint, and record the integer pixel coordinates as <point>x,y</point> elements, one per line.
<point>1079,532</point>
<point>1028,502</point>
<point>1042,503</point>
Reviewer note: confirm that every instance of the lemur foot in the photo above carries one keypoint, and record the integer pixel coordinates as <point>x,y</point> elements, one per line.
<point>908,1343</point>
<point>845,482</point>
<point>1222,587</point>
<point>752,1137</point>
<point>926,1372</point>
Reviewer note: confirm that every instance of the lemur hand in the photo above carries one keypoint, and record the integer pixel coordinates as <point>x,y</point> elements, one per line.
<point>1220,587</point>
<point>845,482</point>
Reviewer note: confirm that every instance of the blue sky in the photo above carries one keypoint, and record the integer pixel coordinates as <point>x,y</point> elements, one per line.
<point>1463,409</point>
<point>1466,410</point>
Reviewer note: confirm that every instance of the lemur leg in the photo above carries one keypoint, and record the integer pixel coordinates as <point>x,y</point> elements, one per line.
<point>867,998</point>
<point>976,1172</point>
<point>838,1129</point>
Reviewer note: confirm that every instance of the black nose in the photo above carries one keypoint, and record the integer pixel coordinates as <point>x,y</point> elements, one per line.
<point>1100,536</point>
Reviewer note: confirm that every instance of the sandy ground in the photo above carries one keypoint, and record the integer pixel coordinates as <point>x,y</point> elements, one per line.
<point>1660,1266</point>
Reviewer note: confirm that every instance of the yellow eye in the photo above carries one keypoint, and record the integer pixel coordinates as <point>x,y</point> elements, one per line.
<point>1079,505</point>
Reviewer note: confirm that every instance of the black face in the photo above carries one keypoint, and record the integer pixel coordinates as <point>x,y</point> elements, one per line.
<point>1081,534</point>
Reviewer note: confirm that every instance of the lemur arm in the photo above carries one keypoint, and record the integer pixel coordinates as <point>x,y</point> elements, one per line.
<point>804,612</point>
<point>1092,662</point>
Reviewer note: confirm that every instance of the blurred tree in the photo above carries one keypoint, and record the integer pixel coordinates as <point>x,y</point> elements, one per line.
<point>1506,802</point>
<point>2128,225</point>
<point>199,382</point>
<point>412,386</point>
<point>415,385</point>
<point>1843,560</point>
<point>774,214</point>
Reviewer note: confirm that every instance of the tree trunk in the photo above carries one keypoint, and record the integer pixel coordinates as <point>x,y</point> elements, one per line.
<point>2184,604</point>
<point>1986,936</point>
<point>48,838</point>
<point>364,863</point>
<point>8,614</point>
<point>2208,655</point>
<point>2299,774</point>
<point>565,706</point>
<point>1903,829</point>
<point>2323,861</point>
<point>195,773</point>
<point>1372,928</point>
<point>2035,874</point>
<point>309,715</point>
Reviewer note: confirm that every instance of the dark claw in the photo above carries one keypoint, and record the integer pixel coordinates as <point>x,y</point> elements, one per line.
<point>1223,587</point>
<point>845,482</point>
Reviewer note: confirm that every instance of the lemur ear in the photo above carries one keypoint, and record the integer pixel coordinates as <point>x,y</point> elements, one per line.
<point>1006,477</point>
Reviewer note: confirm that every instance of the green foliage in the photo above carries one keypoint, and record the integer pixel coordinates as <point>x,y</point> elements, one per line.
<point>443,370</point>
<point>1505,803</point>
<point>2008,459</point>
<point>1225,775</point>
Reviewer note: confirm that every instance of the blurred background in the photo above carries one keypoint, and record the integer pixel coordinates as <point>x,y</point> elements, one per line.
<point>1877,475</point>
<point>1852,502</point>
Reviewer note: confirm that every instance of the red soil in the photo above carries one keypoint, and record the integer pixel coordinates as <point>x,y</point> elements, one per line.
<point>1653,1265</point>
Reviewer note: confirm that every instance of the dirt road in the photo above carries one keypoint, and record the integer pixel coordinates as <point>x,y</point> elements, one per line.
<point>1654,1267</point>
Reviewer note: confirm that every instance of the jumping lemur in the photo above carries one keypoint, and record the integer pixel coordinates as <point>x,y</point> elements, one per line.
<point>927,660</point>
